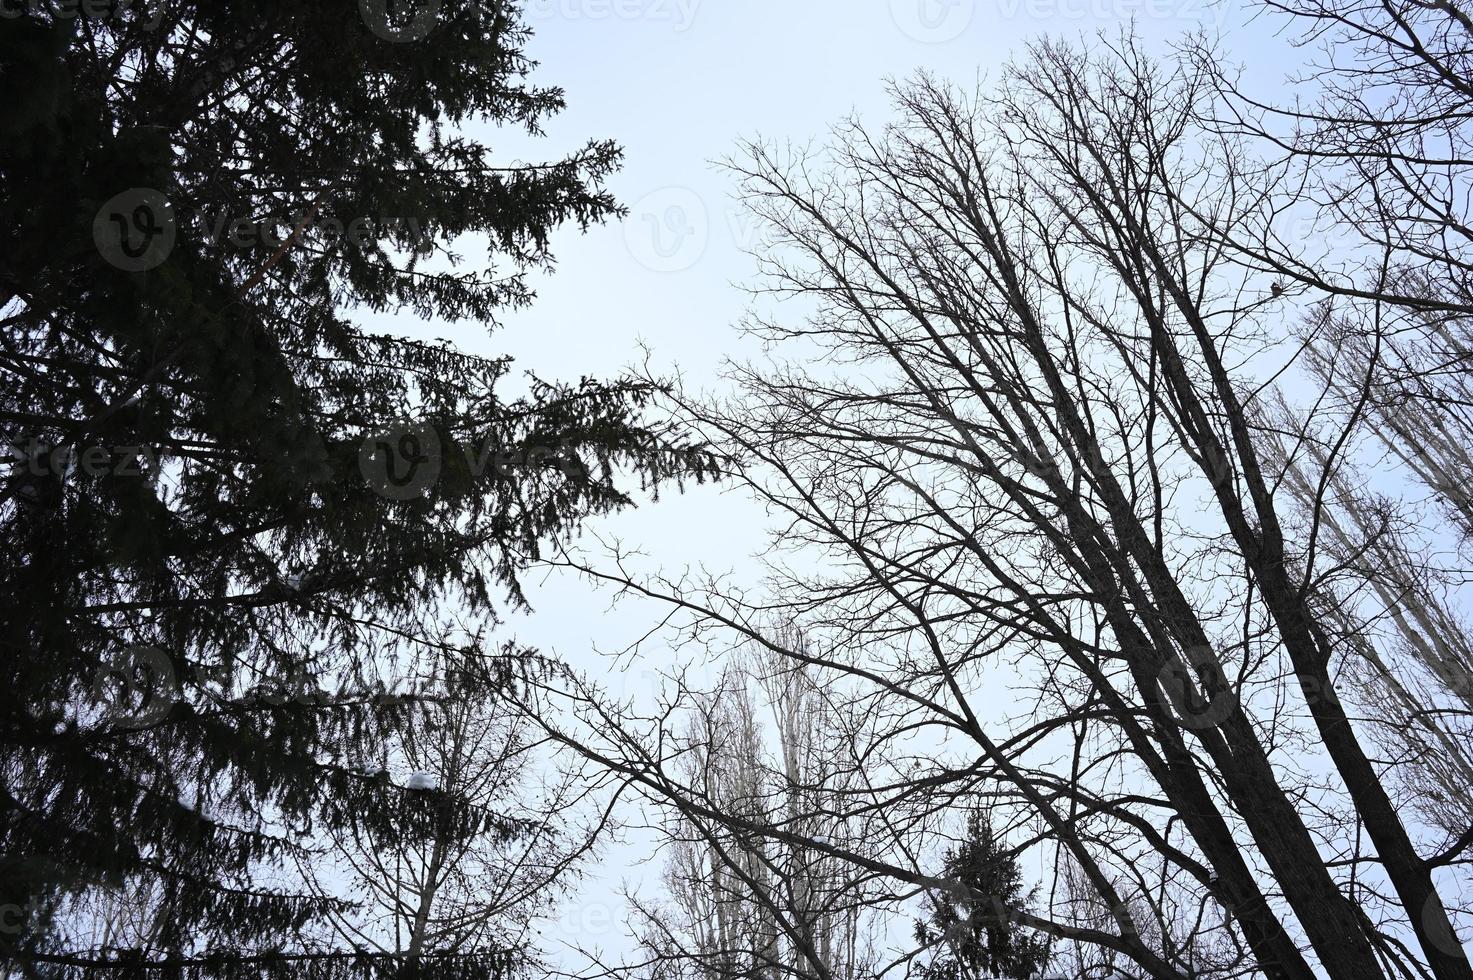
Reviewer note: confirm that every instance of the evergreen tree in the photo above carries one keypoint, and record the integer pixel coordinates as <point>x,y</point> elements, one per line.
<point>217,529</point>
<point>972,928</point>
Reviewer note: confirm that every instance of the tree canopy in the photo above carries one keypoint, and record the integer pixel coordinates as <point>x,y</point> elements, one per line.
<point>233,516</point>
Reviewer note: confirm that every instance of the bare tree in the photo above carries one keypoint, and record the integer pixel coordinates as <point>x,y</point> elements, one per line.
<point>1377,146</point>
<point>478,850</point>
<point>1373,160</point>
<point>1023,430</point>
<point>765,744</point>
<point>1410,662</point>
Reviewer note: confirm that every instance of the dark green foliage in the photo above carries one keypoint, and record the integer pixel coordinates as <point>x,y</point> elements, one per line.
<point>973,929</point>
<point>230,965</point>
<point>249,550</point>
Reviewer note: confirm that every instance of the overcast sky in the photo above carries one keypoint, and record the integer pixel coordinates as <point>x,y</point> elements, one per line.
<point>677,83</point>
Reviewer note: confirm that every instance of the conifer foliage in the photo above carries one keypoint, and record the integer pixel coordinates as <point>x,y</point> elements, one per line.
<point>231,514</point>
<point>976,937</point>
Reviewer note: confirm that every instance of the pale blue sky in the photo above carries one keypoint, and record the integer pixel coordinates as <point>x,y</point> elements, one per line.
<point>677,83</point>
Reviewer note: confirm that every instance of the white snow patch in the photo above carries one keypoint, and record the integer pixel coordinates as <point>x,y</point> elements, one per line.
<point>421,781</point>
